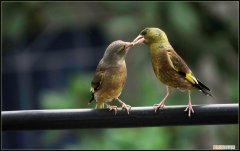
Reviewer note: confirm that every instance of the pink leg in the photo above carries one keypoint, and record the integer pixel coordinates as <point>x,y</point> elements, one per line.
<point>161,104</point>
<point>112,108</point>
<point>124,106</point>
<point>189,107</point>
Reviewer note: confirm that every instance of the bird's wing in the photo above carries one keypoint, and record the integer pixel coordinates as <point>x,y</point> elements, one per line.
<point>178,64</point>
<point>97,79</point>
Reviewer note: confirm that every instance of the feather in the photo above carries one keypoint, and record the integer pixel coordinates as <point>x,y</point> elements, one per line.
<point>196,83</point>
<point>176,62</point>
<point>96,82</point>
<point>92,98</point>
<point>203,88</point>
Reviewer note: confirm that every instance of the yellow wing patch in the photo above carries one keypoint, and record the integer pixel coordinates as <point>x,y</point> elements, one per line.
<point>191,78</point>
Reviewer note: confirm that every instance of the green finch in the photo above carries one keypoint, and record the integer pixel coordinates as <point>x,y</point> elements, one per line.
<point>168,66</point>
<point>110,76</point>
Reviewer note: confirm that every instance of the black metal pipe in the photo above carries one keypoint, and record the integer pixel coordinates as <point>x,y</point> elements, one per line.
<point>102,118</point>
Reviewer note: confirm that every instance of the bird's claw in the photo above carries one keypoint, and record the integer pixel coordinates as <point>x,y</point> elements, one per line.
<point>126,107</point>
<point>113,108</point>
<point>158,106</point>
<point>190,109</point>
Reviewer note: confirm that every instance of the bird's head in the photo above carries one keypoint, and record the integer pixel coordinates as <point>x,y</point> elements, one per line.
<point>151,35</point>
<point>117,51</point>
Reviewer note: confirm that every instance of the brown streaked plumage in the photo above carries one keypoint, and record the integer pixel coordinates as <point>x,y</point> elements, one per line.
<point>110,76</point>
<point>168,66</point>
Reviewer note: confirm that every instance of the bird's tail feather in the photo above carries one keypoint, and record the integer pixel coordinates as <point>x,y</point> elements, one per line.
<point>203,88</point>
<point>92,98</point>
<point>99,105</point>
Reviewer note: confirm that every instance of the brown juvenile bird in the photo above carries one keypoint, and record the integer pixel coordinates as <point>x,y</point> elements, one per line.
<point>168,66</point>
<point>110,76</point>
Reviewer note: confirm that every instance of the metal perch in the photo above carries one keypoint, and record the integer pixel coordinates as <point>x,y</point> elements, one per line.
<point>102,118</point>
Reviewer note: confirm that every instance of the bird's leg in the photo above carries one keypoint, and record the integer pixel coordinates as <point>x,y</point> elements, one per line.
<point>110,107</point>
<point>161,104</point>
<point>189,107</point>
<point>124,106</point>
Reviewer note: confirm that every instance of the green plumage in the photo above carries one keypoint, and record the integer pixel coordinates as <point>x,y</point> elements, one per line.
<point>168,66</point>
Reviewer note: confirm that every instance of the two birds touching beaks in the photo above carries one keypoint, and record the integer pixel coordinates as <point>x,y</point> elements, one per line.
<point>168,66</point>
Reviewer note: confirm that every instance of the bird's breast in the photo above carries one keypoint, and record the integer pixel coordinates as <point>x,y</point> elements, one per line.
<point>160,63</point>
<point>113,83</point>
<point>165,73</point>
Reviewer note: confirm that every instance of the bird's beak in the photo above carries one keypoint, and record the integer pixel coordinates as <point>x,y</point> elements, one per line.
<point>139,40</point>
<point>128,45</point>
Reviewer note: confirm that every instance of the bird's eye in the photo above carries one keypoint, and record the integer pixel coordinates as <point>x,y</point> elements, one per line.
<point>143,32</point>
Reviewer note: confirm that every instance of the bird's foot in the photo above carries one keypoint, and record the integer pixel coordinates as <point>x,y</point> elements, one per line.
<point>190,109</point>
<point>126,107</point>
<point>158,106</point>
<point>112,108</point>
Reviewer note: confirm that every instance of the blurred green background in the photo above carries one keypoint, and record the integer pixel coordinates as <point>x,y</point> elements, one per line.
<point>50,51</point>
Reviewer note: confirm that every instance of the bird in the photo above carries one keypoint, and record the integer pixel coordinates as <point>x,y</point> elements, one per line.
<point>168,66</point>
<point>110,76</point>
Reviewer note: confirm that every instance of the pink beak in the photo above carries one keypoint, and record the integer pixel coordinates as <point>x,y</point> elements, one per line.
<point>139,40</point>
<point>128,45</point>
